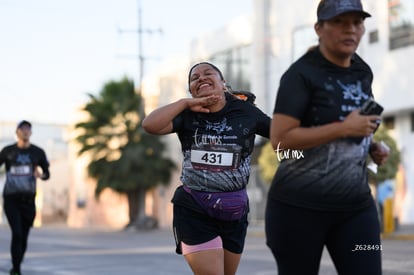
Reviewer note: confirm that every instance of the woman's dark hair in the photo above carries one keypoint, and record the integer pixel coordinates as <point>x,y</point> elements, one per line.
<point>204,62</point>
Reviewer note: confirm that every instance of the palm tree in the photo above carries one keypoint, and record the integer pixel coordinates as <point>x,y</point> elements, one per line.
<point>122,156</point>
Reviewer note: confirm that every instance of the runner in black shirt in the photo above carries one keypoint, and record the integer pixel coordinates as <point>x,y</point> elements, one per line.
<point>22,161</point>
<point>217,133</point>
<point>320,194</point>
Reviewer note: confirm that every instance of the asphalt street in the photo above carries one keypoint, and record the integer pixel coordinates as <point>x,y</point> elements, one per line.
<point>59,250</point>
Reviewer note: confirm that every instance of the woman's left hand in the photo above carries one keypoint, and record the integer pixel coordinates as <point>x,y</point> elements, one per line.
<point>379,152</point>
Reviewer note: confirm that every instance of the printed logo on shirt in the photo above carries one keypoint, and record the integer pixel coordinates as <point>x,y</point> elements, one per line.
<point>353,92</point>
<point>210,153</point>
<point>23,159</point>
<point>219,127</point>
<point>23,165</point>
<point>212,149</point>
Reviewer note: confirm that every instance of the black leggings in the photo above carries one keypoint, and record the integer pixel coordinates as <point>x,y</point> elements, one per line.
<point>296,236</point>
<point>20,212</point>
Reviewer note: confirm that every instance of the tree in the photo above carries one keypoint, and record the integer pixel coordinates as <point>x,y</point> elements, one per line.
<point>268,162</point>
<point>122,156</point>
<point>390,168</point>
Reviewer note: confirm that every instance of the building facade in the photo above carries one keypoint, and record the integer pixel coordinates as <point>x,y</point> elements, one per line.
<point>254,51</point>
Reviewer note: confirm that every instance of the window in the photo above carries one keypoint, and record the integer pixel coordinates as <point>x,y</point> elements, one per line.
<point>236,67</point>
<point>373,37</point>
<point>401,23</point>
<point>412,122</point>
<point>389,122</point>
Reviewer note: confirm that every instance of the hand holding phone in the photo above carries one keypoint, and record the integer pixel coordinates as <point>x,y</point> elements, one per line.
<point>371,107</point>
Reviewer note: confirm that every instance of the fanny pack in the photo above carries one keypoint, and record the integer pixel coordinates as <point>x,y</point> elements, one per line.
<point>225,206</point>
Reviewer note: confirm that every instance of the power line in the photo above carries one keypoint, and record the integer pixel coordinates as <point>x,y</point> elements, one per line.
<point>140,31</point>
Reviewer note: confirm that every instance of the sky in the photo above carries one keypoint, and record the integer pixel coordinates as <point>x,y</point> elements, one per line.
<point>55,52</point>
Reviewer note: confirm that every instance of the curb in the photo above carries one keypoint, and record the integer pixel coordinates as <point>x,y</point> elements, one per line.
<point>403,237</point>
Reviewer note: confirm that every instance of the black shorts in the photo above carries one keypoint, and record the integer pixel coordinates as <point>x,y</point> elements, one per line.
<point>193,227</point>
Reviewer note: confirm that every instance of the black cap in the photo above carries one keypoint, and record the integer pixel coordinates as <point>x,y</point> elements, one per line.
<point>328,9</point>
<point>24,123</point>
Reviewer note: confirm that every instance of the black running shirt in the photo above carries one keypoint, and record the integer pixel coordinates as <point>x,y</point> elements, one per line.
<point>331,176</point>
<point>217,146</point>
<point>20,164</point>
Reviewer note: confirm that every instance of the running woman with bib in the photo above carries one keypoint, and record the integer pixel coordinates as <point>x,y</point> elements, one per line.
<point>217,133</point>
<point>23,162</point>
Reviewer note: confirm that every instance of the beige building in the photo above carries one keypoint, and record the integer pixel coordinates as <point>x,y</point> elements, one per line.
<point>254,51</point>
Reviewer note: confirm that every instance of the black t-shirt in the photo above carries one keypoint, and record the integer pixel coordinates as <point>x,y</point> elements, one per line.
<point>217,146</point>
<point>333,175</point>
<point>20,164</point>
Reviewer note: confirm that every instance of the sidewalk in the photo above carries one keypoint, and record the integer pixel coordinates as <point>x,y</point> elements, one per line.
<point>403,232</point>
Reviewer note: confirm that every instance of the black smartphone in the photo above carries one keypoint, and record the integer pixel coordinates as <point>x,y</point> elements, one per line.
<point>371,107</point>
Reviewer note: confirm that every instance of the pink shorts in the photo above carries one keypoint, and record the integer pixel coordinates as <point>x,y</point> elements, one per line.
<point>215,243</point>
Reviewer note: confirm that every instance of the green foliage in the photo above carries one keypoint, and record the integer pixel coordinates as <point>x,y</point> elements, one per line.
<point>390,168</point>
<point>122,156</point>
<point>268,162</point>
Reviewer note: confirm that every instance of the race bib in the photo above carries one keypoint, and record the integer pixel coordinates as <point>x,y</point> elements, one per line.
<point>20,170</point>
<point>215,157</point>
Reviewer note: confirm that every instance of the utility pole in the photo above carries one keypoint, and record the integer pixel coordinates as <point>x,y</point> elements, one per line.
<point>140,50</point>
<point>138,216</point>
<point>140,30</point>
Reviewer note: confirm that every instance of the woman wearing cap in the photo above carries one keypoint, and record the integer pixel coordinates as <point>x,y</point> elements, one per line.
<point>22,160</point>
<point>321,196</point>
<point>217,133</point>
